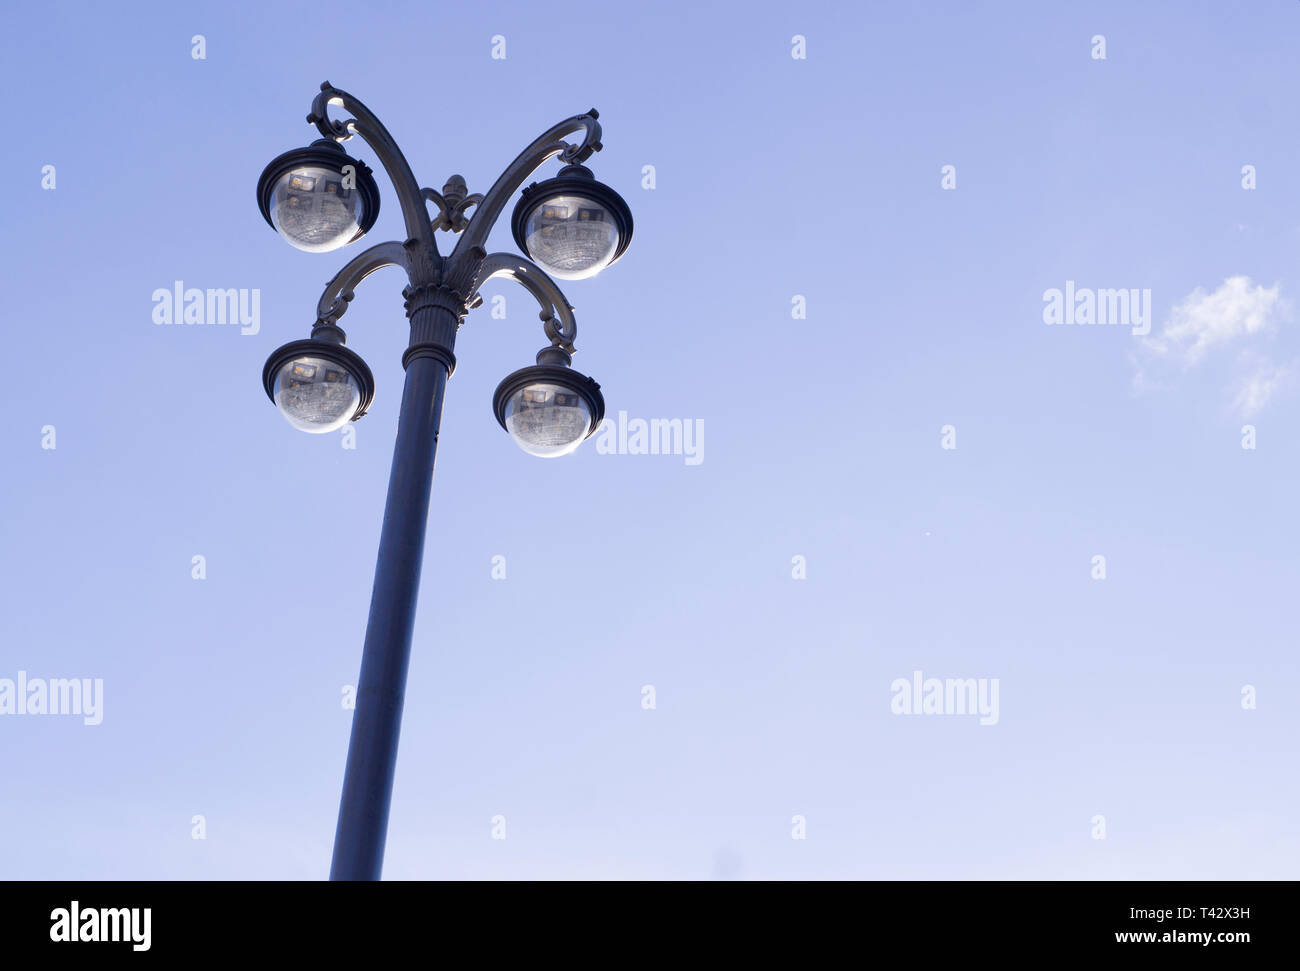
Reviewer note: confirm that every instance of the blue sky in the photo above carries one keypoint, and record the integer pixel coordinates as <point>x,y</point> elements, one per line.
<point>775,177</point>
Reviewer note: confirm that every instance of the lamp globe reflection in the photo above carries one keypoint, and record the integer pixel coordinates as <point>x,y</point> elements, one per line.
<point>572,225</point>
<point>549,410</point>
<point>318,198</point>
<point>319,386</point>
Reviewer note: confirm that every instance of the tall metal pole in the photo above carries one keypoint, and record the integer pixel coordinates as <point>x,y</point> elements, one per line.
<point>377,719</point>
<point>442,290</point>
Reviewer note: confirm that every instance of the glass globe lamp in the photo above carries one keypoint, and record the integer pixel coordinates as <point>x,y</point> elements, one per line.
<point>319,386</point>
<point>572,226</point>
<point>549,410</point>
<point>310,200</point>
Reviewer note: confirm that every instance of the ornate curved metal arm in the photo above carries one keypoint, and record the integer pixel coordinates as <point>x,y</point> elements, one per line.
<point>557,315</point>
<point>334,301</point>
<point>546,146</point>
<point>371,129</point>
<point>468,267</point>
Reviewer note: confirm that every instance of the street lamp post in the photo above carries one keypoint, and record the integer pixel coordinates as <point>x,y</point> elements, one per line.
<point>319,198</point>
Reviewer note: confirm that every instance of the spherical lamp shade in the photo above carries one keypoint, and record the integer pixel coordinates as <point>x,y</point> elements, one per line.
<point>572,226</point>
<point>549,410</point>
<point>310,200</point>
<point>318,386</point>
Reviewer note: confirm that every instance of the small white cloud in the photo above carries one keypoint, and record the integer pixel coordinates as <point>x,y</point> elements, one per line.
<point>1256,388</point>
<point>1203,320</point>
<point>1204,325</point>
